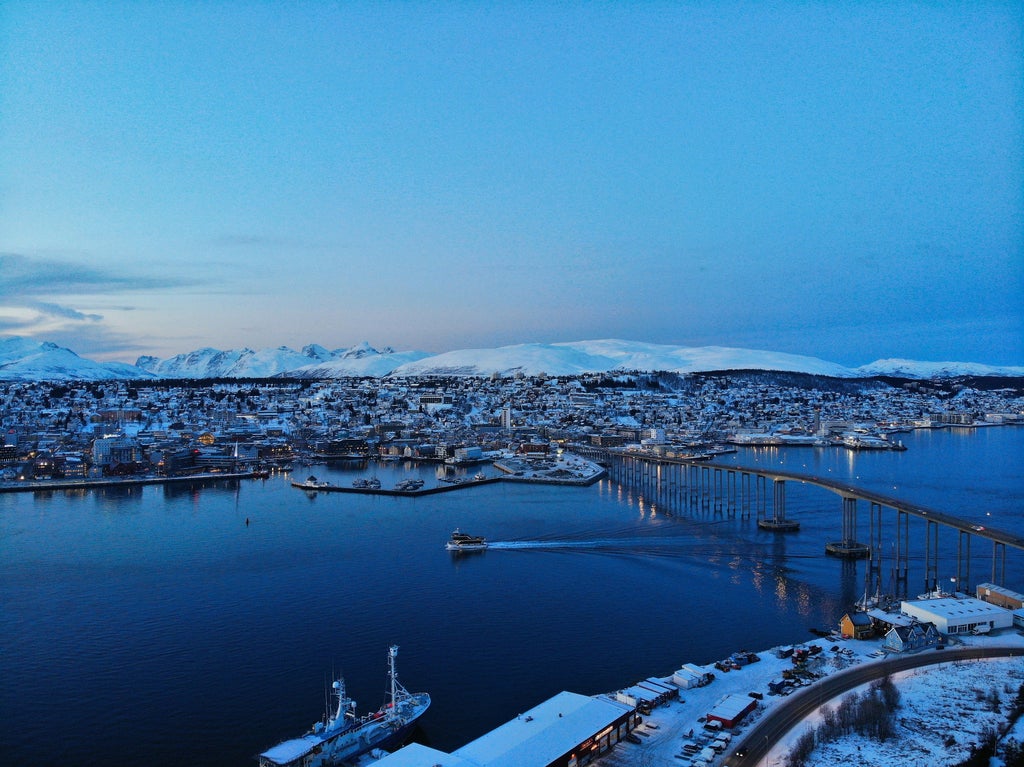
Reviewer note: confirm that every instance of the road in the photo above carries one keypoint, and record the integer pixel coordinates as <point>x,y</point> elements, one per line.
<point>785,715</point>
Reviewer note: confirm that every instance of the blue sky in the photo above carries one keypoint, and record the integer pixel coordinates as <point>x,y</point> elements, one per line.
<point>842,180</point>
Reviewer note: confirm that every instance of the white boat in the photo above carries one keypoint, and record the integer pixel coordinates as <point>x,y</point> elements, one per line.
<point>342,735</point>
<point>312,483</point>
<point>461,541</point>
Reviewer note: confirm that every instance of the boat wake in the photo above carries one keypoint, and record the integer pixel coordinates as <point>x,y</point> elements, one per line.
<point>608,543</point>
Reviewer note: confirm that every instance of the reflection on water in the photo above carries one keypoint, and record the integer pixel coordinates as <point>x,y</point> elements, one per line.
<point>189,636</point>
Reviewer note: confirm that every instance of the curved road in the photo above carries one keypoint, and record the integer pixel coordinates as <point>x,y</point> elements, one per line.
<point>782,718</point>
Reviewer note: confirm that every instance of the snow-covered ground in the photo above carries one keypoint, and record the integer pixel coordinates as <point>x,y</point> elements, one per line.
<point>943,710</point>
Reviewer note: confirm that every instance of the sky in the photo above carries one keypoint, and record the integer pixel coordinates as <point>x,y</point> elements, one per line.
<point>843,180</point>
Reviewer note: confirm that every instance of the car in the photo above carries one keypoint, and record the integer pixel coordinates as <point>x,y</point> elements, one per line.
<point>978,528</point>
<point>741,751</point>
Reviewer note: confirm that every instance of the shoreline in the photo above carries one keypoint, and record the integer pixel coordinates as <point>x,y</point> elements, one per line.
<point>46,485</point>
<point>759,738</point>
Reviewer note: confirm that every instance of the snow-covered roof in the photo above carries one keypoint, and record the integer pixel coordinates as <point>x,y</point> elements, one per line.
<point>953,608</point>
<point>545,732</point>
<point>290,750</point>
<point>732,706</point>
<point>1001,590</point>
<point>417,755</point>
<point>893,619</point>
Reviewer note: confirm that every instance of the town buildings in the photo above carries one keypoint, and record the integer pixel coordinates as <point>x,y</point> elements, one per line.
<point>60,429</point>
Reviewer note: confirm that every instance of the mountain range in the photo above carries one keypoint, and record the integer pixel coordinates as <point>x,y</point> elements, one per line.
<point>23,359</point>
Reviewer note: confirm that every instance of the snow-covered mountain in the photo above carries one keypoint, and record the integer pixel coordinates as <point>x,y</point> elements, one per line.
<point>22,359</point>
<point>234,363</point>
<point>609,355</point>
<point>914,369</point>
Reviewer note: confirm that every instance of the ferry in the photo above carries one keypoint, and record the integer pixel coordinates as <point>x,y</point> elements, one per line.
<point>461,541</point>
<point>342,735</point>
<point>312,483</point>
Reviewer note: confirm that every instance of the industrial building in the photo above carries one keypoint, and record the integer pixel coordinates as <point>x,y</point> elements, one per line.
<point>731,709</point>
<point>568,730</point>
<point>998,595</point>
<point>958,615</point>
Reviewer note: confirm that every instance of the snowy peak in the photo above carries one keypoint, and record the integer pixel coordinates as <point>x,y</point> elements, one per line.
<point>611,355</point>
<point>358,352</point>
<point>913,369</point>
<point>22,359</point>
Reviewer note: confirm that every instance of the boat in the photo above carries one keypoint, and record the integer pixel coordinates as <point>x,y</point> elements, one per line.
<point>312,483</point>
<point>461,541</point>
<point>343,735</point>
<point>479,476</point>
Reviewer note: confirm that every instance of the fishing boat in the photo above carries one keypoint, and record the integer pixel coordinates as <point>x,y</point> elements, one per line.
<point>461,541</point>
<point>342,734</point>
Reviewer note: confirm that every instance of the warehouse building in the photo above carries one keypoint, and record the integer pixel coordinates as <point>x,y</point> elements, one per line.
<point>731,709</point>
<point>958,615</point>
<point>568,730</point>
<point>997,595</point>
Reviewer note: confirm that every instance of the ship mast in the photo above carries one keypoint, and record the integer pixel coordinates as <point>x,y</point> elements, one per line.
<point>392,674</point>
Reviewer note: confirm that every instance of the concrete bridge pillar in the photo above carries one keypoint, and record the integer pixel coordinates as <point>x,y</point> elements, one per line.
<point>963,561</point>
<point>778,522</point>
<point>999,555</point>
<point>848,547</point>
<point>718,490</point>
<point>873,575</point>
<point>931,556</point>
<point>902,553</point>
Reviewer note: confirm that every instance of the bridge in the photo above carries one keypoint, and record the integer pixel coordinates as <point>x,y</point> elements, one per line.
<point>729,490</point>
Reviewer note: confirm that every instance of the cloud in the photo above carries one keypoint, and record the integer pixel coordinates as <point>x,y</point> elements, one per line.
<point>66,312</point>
<point>37,296</point>
<point>22,276</point>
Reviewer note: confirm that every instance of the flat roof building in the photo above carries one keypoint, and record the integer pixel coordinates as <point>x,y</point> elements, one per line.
<point>568,730</point>
<point>731,709</point>
<point>958,615</point>
<point>998,595</point>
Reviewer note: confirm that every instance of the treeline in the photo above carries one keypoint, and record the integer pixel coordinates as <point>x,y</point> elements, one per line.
<point>871,715</point>
<point>1012,750</point>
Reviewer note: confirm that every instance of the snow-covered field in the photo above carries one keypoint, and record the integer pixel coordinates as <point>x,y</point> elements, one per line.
<point>943,710</point>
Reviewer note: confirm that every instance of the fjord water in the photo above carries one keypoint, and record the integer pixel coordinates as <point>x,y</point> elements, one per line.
<point>200,624</point>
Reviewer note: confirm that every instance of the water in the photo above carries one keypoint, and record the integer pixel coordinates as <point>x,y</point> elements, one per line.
<point>155,627</point>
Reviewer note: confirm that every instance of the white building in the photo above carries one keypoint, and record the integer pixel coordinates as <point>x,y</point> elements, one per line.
<point>958,615</point>
<point>568,730</point>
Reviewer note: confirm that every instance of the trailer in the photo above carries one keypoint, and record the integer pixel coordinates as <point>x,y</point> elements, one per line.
<point>642,699</point>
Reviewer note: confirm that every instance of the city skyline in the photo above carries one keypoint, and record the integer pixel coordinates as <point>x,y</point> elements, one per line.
<point>830,180</point>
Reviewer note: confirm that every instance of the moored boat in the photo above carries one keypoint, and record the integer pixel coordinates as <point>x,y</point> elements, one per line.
<point>343,735</point>
<point>461,541</point>
<point>312,483</point>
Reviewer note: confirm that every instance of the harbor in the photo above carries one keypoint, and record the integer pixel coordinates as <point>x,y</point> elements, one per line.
<point>717,715</point>
<point>566,469</point>
<point>168,580</point>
